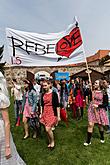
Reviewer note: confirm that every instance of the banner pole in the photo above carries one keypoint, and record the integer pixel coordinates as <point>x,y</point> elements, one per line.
<point>84,56</point>
<point>87,68</point>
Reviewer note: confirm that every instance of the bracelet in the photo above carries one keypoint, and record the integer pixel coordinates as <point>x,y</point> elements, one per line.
<point>8,146</point>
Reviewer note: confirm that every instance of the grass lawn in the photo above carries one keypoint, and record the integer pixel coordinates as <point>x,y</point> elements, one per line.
<point>69,149</point>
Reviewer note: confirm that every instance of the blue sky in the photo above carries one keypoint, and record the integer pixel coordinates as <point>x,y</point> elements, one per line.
<point>43,16</point>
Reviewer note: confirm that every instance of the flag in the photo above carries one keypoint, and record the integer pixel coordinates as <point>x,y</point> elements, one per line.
<point>51,49</point>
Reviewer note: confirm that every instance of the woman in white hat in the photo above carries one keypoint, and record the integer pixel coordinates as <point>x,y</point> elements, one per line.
<point>8,153</point>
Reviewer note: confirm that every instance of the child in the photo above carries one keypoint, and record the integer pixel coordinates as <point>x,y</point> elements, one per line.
<point>63,114</point>
<point>79,101</point>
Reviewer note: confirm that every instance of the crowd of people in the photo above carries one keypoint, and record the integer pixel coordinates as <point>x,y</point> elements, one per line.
<point>41,102</point>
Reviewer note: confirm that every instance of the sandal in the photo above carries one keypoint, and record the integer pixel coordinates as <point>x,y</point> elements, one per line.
<point>8,150</point>
<point>49,145</point>
<point>25,137</point>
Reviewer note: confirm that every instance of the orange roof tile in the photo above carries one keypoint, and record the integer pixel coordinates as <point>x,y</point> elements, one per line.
<point>99,55</point>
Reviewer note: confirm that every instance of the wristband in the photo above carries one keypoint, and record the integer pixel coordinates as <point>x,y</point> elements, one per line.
<point>7,146</point>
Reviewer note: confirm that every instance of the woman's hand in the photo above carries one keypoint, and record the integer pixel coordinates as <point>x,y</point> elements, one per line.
<point>95,106</point>
<point>32,113</point>
<point>40,115</point>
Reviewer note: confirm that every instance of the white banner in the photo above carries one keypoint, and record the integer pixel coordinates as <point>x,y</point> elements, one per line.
<point>51,49</point>
<point>1,54</point>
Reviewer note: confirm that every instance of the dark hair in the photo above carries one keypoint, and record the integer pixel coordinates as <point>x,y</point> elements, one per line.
<point>14,80</point>
<point>78,87</point>
<point>101,84</point>
<point>30,85</point>
<point>26,89</point>
<point>54,84</point>
<point>26,81</point>
<point>106,79</point>
<point>63,86</point>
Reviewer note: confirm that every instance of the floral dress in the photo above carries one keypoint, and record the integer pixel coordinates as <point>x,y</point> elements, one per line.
<point>48,118</point>
<point>99,115</point>
<point>27,107</point>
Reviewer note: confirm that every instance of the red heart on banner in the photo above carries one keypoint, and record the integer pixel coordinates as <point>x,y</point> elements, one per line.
<point>66,45</point>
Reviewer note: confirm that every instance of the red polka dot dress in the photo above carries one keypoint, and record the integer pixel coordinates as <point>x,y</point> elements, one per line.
<point>48,118</point>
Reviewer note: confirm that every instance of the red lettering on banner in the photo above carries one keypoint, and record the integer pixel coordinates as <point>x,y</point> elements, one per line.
<point>16,60</point>
<point>69,43</point>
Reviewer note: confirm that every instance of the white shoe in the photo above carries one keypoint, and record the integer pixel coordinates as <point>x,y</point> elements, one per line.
<point>102,141</point>
<point>34,136</point>
<point>86,144</point>
<point>26,136</point>
<point>53,128</point>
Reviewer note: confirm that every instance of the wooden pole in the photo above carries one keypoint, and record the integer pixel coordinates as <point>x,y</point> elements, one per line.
<point>75,18</point>
<point>87,68</point>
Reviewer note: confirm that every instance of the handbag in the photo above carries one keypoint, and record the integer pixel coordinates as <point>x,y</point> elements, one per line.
<point>34,122</point>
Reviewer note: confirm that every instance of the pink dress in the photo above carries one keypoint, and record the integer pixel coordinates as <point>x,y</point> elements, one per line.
<point>48,118</point>
<point>100,115</point>
<point>27,109</point>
